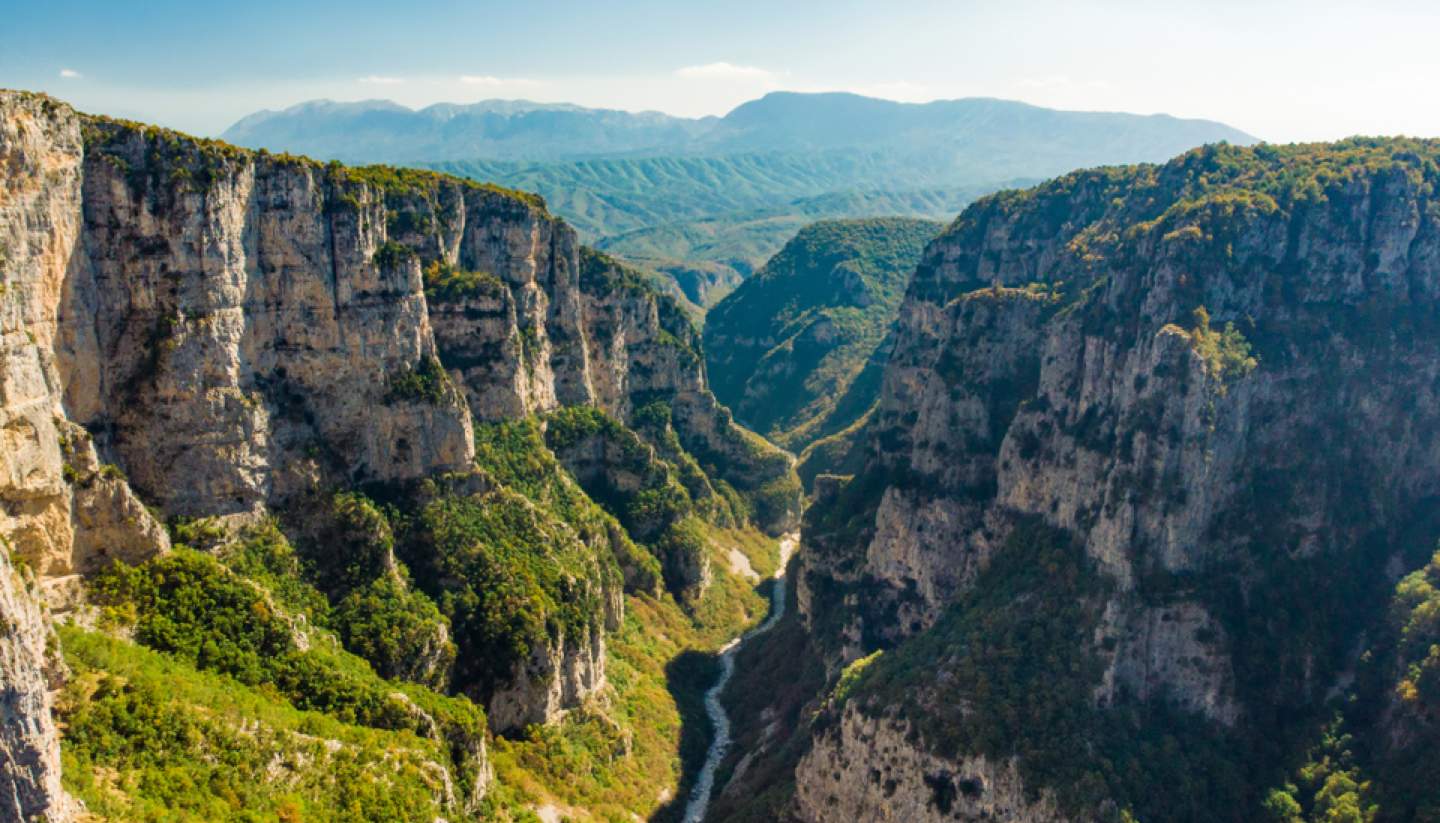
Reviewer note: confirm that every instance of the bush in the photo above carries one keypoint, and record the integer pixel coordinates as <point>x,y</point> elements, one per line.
<point>426,382</point>
<point>352,544</point>
<point>148,738</point>
<point>399,631</point>
<point>193,608</point>
<point>445,283</point>
<point>509,578</point>
<point>391,255</point>
<point>683,550</point>
<point>189,605</point>
<point>515,452</point>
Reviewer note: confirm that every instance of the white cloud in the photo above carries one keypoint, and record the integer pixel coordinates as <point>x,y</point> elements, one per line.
<point>723,70</point>
<point>70,74</point>
<point>491,80</point>
<point>378,80</point>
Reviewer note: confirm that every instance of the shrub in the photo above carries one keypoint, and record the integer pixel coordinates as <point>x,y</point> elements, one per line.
<point>189,605</point>
<point>392,255</point>
<point>683,550</point>
<point>509,578</point>
<point>193,608</point>
<point>399,631</point>
<point>445,283</point>
<point>426,382</point>
<point>1226,353</point>
<point>352,544</point>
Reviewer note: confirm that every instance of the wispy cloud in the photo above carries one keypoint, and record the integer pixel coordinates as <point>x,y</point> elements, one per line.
<point>723,70</point>
<point>491,80</point>
<point>70,74</point>
<point>379,80</point>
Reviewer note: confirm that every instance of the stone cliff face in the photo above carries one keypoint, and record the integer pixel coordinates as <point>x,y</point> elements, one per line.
<point>1217,375</point>
<point>61,514</point>
<point>557,677</point>
<point>233,332</point>
<point>29,743</point>
<point>869,768</point>
<point>60,510</point>
<point>218,332</point>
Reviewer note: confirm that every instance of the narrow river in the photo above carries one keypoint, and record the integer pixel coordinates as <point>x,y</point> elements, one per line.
<point>699,802</point>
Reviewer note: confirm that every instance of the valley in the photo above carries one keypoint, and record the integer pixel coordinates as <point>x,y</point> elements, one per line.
<point>837,459</point>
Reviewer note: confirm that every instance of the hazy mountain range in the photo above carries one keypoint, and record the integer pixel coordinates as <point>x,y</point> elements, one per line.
<point>975,137</point>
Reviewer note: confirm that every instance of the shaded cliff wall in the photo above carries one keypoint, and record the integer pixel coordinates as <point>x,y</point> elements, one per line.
<point>1218,376</point>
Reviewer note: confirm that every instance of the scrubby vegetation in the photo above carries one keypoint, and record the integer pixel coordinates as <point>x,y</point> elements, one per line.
<point>229,641</point>
<point>148,737</point>
<point>445,283</point>
<point>397,630</point>
<point>1226,353</point>
<point>509,577</point>
<point>240,700</point>
<point>426,382</point>
<point>515,453</point>
<point>392,255</point>
<point>648,494</point>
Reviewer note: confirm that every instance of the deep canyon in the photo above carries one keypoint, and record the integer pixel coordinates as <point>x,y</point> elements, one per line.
<point>362,493</point>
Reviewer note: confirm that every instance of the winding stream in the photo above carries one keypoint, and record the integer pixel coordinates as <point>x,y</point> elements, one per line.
<point>699,802</point>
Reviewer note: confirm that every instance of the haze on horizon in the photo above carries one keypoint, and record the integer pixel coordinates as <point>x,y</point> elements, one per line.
<point>1282,70</point>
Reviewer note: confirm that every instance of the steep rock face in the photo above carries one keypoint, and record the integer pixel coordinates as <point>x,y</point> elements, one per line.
<point>235,330</point>
<point>29,743</point>
<point>885,777</point>
<point>1068,354</point>
<point>61,513</point>
<point>58,510</point>
<point>649,354</point>
<point>527,320</point>
<point>558,676</point>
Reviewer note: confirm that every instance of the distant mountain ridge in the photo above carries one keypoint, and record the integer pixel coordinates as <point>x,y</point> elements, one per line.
<point>384,131</point>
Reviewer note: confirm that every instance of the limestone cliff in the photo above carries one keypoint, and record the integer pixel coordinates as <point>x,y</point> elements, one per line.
<point>61,513</point>
<point>219,332</point>
<point>868,768</point>
<point>1217,380</point>
<point>29,743</point>
<point>554,324</point>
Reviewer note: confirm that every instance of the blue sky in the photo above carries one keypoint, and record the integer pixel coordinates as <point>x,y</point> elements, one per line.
<point>1281,70</point>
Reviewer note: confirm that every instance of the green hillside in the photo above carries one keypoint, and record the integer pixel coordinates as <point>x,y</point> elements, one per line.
<point>789,349</point>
